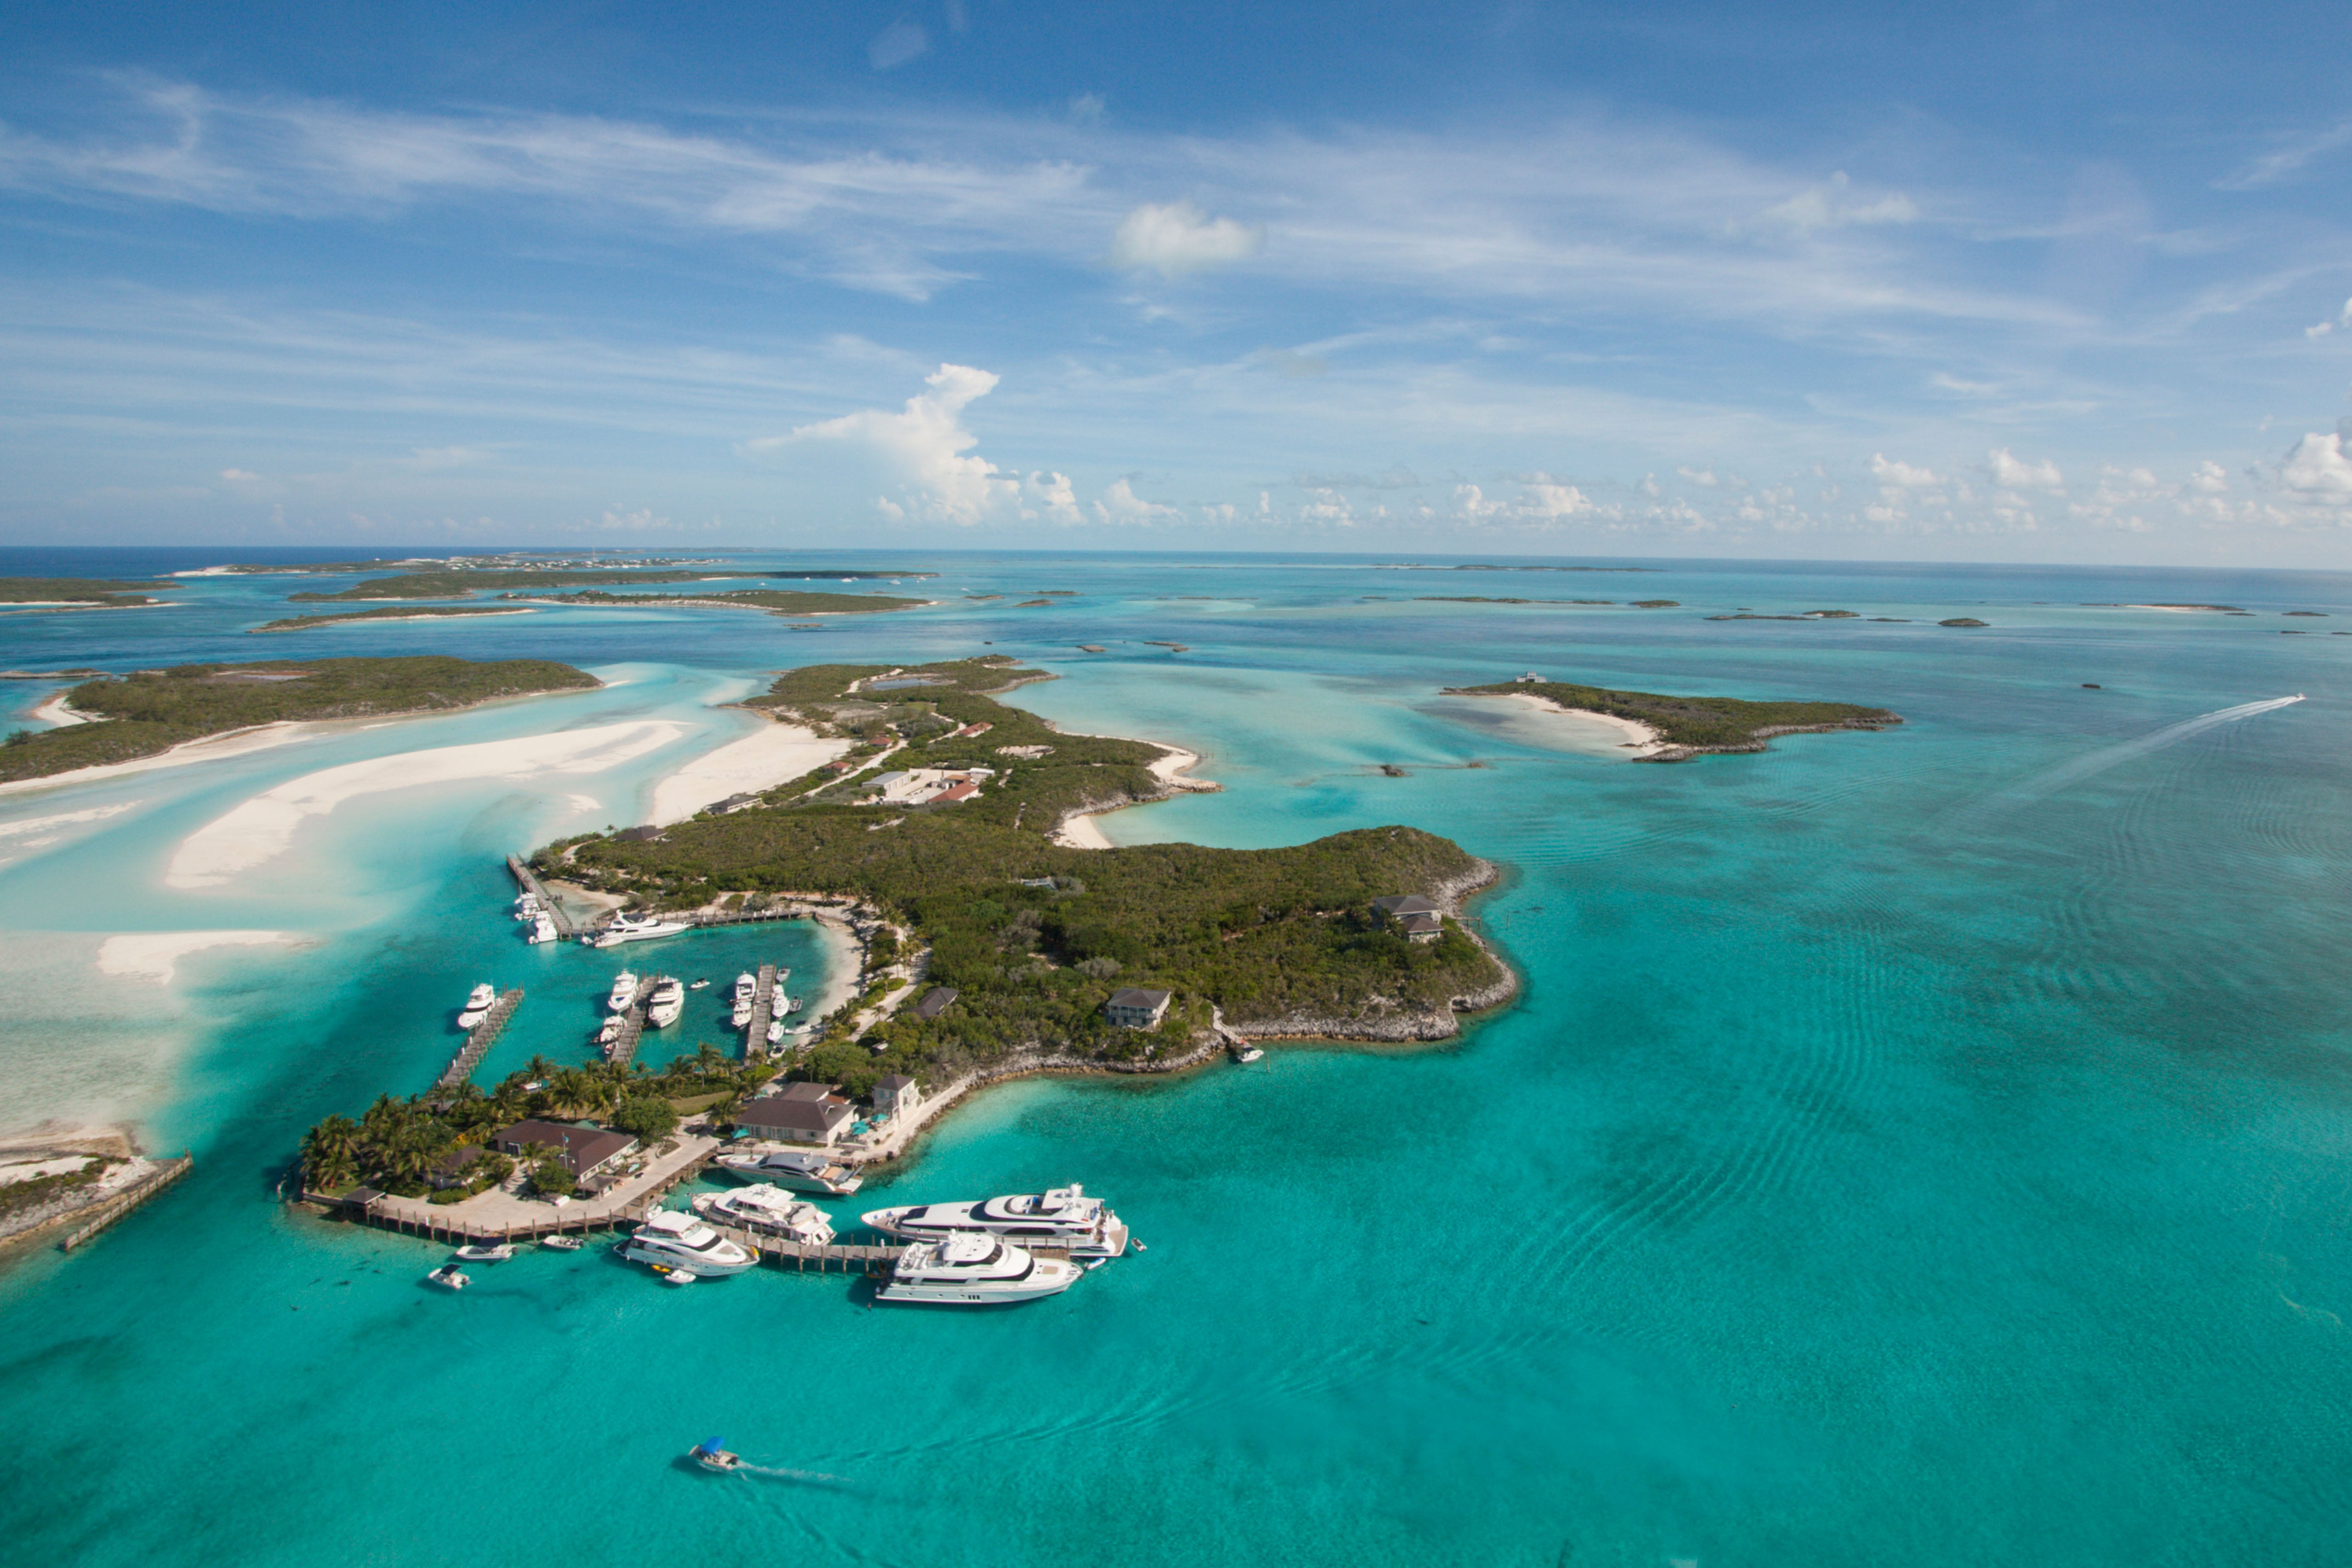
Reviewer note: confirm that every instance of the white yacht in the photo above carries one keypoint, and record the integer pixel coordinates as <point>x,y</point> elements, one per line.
<point>784,1004</point>
<point>610,1032</point>
<point>767,1207</point>
<point>742,1014</point>
<point>478,1005</point>
<point>525,907</point>
<point>625,991</point>
<point>775,1031</point>
<point>800,1170</point>
<point>1063,1216</point>
<point>972,1269</point>
<point>667,1001</point>
<point>747,986</point>
<point>637,928</point>
<point>543,929</point>
<point>668,1240</point>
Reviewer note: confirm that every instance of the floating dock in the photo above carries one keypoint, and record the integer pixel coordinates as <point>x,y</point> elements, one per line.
<point>128,1198</point>
<point>479,1039</point>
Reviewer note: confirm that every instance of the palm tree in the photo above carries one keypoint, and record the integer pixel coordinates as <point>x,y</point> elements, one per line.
<point>331,1154</point>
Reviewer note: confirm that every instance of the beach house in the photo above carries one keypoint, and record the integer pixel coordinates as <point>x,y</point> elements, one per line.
<point>1135,1006</point>
<point>584,1151</point>
<point>801,1114</point>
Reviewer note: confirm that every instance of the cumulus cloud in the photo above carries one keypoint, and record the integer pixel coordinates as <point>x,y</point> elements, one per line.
<point>927,446</point>
<point>2318,469</point>
<point>236,474</point>
<point>2209,479</point>
<point>1901,476</point>
<point>1049,496</point>
<point>1121,504</point>
<point>2010,473</point>
<point>1179,238</point>
<point>2343,321</point>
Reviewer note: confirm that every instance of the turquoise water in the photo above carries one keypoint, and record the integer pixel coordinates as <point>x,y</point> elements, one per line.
<point>1926,1148</point>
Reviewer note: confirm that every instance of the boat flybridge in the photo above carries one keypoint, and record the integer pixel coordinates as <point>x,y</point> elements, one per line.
<point>671,1240</point>
<point>477,1005</point>
<point>667,1001</point>
<point>1062,1216</point>
<point>747,986</point>
<point>625,991</point>
<point>768,1209</point>
<point>797,1169</point>
<point>969,1268</point>
<point>637,928</point>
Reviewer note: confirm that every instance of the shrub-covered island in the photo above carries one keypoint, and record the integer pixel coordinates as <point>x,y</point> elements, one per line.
<point>151,711</point>
<point>467,582</point>
<point>96,593</point>
<point>1694,726</point>
<point>1033,936</point>
<point>774,600</point>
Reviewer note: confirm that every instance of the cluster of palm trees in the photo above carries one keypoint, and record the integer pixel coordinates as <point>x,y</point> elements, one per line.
<point>397,1144</point>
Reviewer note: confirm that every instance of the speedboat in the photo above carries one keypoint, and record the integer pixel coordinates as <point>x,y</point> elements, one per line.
<point>610,1032</point>
<point>1244,1051</point>
<point>795,1168</point>
<point>1063,1216</point>
<point>449,1277</point>
<point>478,1252</point>
<point>972,1269</point>
<point>768,1209</point>
<point>711,1457</point>
<point>559,1243</point>
<point>668,1240</point>
<point>700,986</point>
<point>637,928</point>
<point>668,1000</point>
<point>676,1276</point>
<point>785,1004</point>
<point>625,991</point>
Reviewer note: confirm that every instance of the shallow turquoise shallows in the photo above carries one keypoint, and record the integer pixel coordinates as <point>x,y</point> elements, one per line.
<point>1927,1147</point>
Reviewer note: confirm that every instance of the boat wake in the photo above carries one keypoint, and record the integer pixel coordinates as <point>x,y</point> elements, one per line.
<point>782,1472</point>
<point>2067,774</point>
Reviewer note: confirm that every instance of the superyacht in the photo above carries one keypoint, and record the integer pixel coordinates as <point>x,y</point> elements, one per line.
<point>799,1170</point>
<point>1063,1216</point>
<point>668,1240</point>
<point>769,1209</point>
<point>972,1269</point>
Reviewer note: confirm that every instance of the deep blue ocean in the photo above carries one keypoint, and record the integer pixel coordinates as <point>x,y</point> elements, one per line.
<point>1928,1147</point>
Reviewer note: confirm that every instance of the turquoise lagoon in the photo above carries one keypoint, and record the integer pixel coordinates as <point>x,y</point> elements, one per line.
<point>1926,1148</point>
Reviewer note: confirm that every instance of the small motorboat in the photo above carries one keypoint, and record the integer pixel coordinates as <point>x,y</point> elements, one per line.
<point>559,1243</point>
<point>676,1276</point>
<point>712,1457</point>
<point>1245,1052</point>
<point>449,1277</point>
<point>700,986</point>
<point>475,1253</point>
<point>775,1031</point>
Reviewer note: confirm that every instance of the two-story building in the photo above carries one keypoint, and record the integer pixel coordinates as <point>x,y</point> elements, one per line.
<point>1136,1007</point>
<point>896,1096</point>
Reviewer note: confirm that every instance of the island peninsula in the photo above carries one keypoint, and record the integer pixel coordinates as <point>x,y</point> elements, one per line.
<point>149,712</point>
<point>1677,728</point>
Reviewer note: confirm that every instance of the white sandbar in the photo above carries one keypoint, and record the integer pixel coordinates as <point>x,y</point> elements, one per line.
<point>766,758</point>
<point>1585,731</point>
<point>155,954</point>
<point>263,827</point>
<point>232,743</point>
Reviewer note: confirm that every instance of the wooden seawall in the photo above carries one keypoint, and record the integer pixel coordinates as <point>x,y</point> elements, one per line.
<point>128,1198</point>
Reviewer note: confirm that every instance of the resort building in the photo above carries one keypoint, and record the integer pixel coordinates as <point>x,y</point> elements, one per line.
<point>924,786</point>
<point>583,1150</point>
<point>1415,916</point>
<point>803,1113</point>
<point>1134,1007</point>
<point>896,1096</point>
<point>935,1002</point>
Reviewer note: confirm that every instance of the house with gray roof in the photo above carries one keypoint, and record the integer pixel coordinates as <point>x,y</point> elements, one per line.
<point>1136,1007</point>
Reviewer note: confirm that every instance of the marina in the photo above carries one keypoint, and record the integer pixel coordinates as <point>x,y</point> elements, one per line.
<point>479,1038</point>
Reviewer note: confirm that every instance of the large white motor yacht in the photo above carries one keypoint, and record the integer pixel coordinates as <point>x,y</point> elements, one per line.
<point>478,1005</point>
<point>742,1014</point>
<point>674,1240</point>
<point>747,985</point>
<point>973,1269</point>
<point>800,1170</point>
<point>769,1208</point>
<point>667,1001</point>
<point>625,991</point>
<point>543,929</point>
<point>637,928</point>
<point>1063,1216</point>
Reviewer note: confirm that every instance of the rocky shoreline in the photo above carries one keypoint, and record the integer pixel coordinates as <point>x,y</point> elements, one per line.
<point>1684,753</point>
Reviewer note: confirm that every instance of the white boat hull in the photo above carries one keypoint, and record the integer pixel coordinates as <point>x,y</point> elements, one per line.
<point>1049,1278</point>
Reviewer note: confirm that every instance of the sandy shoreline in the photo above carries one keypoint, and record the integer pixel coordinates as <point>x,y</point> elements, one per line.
<point>1078,829</point>
<point>55,711</point>
<point>1630,734</point>
<point>365,619</point>
<point>773,755</point>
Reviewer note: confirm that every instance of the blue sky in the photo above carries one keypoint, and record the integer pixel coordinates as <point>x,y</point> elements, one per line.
<point>2027,283</point>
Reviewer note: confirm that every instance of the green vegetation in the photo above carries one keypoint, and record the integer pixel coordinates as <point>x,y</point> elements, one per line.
<point>1261,933</point>
<point>79,590</point>
<point>775,600</point>
<point>31,1193</point>
<point>153,710</point>
<point>1961,620</point>
<point>465,583</point>
<point>1697,724</point>
<point>389,613</point>
<point>399,1144</point>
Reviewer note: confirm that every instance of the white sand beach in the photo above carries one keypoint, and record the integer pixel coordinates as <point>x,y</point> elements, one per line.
<point>55,711</point>
<point>231,743</point>
<point>843,961</point>
<point>155,956</point>
<point>1581,729</point>
<point>264,827</point>
<point>767,756</point>
<point>1080,832</point>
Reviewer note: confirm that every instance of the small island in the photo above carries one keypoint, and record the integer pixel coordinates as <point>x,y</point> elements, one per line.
<point>467,582</point>
<point>1679,729</point>
<point>388,612</point>
<point>774,600</point>
<point>79,593</point>
<point>149,712</point>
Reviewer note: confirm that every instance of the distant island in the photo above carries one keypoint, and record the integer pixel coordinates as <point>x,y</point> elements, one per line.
<point>1032,937</point>
<point>80,592</point>
<point>1683,727</point>
<point>389,613</point>
<point>467,582</point>
<point>774,600</point>
<point>150,711</point>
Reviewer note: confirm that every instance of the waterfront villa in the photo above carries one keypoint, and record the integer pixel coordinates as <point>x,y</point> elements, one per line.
<point>583,1150</point>
<point>1415,918</point>
<point>935,1002</point>
<point>803,1113</point>
<point>1134,1007</point>
<point>896,1096</point>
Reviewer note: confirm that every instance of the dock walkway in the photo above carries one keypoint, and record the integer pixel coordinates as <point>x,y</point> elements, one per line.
<point>565,926</point>
<point>479,1039</point>
<point>503,1217</point>
<point>633,1024</point>
<point>763,1003</point>
<point>128,1198</point>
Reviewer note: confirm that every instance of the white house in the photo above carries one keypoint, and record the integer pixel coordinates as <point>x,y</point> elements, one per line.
<point>896,1096</point>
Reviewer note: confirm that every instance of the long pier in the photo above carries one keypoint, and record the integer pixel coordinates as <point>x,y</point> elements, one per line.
<point>565,926</point>
<point>740,916</point>
<point>763,1003</point>
<point>479,1038</point>
<point>633,1024</point>
<point>128,1198</point>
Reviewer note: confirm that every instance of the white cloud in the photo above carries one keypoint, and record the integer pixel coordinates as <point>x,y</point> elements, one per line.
<point>2343,319</point>
<point>1178,238</point>
<point>1121,504</point>
<point>1701,476</point>
<point>236,473</point>
<point>2277,165</point>
<point>1901,476</point>
<point>2209,479</point>
<point>2318,469</point>
<point>1049,496</point>
<point>1827,207</point>
<point>928,447</point>
<point>897,44</point>
<point>2012,475</point>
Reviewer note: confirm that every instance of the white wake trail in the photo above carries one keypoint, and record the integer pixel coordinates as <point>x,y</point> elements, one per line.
<point>2068,773</point>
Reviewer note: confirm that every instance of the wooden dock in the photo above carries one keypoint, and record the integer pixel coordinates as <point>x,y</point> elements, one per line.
<point>633,1024</point>
<point>128,1198</point>
<point>527,879</point>
<point>763,1003</point>
<point>479,1039</point>
<point>738,916</point>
